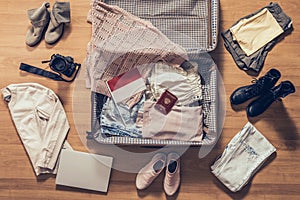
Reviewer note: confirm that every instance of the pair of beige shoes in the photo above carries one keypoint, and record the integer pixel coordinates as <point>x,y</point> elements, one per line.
<point>159,161</point>
<point>52,22</point>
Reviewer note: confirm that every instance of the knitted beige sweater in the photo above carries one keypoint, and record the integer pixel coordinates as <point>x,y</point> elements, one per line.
<point>121,41</point>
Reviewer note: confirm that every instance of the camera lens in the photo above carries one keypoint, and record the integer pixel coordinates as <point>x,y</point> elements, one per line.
<point>58,64</point>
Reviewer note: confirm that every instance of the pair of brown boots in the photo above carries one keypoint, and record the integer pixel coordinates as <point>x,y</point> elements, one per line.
<point>49,22</point>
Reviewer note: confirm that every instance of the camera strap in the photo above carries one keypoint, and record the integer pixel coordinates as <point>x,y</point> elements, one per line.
<point>45,73</point>
<point>41,72</point>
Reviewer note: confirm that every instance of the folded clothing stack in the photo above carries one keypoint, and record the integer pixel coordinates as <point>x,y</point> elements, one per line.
<point>251,38</point>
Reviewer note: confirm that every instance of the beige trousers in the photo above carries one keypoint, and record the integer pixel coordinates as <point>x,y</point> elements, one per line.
<point>41,123</point>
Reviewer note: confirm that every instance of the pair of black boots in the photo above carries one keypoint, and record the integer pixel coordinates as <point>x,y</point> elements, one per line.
<point>265,88</point>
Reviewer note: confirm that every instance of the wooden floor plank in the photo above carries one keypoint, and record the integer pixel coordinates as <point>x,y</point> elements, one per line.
<point>279,179</point>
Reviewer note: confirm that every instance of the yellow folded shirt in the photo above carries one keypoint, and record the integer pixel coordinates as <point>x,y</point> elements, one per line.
<point>255,32</point>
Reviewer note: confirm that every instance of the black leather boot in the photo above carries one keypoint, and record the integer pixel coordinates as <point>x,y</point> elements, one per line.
<point>261,104</point>
<point>264,83</point>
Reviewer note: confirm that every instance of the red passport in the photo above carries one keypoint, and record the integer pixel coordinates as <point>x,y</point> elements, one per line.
<point>165,103</point>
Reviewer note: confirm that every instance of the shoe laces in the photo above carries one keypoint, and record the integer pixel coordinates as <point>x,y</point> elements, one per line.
<point>258,85</point>
<point>270,96</point>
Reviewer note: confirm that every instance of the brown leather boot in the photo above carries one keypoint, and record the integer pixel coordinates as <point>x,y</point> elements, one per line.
<point>39,18</point>
<point>59,16</point>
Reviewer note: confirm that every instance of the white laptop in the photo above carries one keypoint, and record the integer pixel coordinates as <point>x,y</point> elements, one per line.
<point>84,170</point>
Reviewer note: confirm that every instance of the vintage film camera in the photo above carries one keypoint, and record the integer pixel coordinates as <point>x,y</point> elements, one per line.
<point>64,65</point>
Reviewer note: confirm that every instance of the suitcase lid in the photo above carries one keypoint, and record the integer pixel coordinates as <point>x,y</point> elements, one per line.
<point>193,24</point>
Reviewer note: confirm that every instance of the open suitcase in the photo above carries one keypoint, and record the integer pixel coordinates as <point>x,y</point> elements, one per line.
<point>194,25</point>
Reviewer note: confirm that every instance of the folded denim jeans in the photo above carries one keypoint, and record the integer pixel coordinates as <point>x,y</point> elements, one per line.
<point>112,124</point>
<point>242,158</point>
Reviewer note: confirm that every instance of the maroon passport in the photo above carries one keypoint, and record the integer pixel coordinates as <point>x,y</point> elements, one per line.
<point>165,103</point>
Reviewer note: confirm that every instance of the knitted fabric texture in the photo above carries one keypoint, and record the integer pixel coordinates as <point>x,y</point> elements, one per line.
<point>121,41</point>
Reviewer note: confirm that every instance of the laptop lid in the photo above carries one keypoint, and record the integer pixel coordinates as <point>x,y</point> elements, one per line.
<point>84,170</point>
